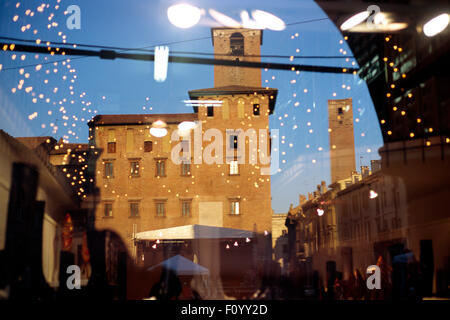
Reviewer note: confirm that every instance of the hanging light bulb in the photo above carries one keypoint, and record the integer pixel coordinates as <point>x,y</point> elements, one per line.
<point>236,244</point>
<point>247,240</point>
<point>320,212</point>
<point>154,246</point>
<point>227,246</point>
<point>373,194</point>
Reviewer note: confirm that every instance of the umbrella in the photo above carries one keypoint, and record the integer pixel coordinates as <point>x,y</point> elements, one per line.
<point>181,266</point>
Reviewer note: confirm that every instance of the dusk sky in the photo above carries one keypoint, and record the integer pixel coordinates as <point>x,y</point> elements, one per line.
<point>123,86</point>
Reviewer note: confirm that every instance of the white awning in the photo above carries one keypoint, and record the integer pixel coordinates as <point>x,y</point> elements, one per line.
<point>194,231</point>
<point>181,266</point>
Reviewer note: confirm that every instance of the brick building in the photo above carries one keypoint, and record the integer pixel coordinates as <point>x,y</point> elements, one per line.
<point>223,182</point>
<point>342,142</point>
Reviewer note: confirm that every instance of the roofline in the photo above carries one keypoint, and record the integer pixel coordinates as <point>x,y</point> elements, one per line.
<point>94,122</point>
<point>195,94</point>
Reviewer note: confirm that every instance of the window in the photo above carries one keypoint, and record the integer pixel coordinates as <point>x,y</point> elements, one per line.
<point>160,209</point>
<point>234,207</point>
<point>134,209</point>
<point>111,147</point>
<point>256,109</point>
<point>108,209</point>
<point>210,111</point>
<point>134,168</point>
<point>234,167</point>
<point>186,208</point>
<point>148,146</point>
<point>237,44</point>
<point>185,169</point>
<point>161,168</point>
<point>340,110</point>
<point>109,170</point>
<point>233,141</point>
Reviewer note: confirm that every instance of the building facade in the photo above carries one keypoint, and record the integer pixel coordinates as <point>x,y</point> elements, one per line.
<point>342,141</point>
<point>280,242</point>
<point>221,177</point>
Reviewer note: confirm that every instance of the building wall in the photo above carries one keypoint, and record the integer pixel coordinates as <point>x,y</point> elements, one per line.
<point>279,240</point>
<point>250,185</point>
<point>209,187</point>
<point>226,76</point>
<point>57,198</point>
<point>342,142</point>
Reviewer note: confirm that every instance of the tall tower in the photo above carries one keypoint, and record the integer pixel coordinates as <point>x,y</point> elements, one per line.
<point>238,45</point>
<point>245,108</point>
<point>342,141</point>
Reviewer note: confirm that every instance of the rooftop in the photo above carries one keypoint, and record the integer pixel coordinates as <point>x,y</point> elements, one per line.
<point>34,142</point>
<point>122,119</point>
<point>231,90</point>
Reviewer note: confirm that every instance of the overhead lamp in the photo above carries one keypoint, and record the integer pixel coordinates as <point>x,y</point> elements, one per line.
<point>158,129</point>
<point>158,132</point>
<point>354,20</point>
<point>161,63</point>
<point>184,15</point>
<point>372,194</point>
<point>320,212</point>
<point>186,125</point>
<point>436,25</point>
<point>159,124</point>
<point>223,19</point>
<point>268,20</point>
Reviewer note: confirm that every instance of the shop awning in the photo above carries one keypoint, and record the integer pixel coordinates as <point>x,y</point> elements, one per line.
<point>194,231</point>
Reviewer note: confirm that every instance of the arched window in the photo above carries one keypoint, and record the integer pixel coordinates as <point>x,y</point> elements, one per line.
<point>237,44</point>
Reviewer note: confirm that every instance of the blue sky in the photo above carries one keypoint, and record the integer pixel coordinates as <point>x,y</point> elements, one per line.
<point>119,86</point>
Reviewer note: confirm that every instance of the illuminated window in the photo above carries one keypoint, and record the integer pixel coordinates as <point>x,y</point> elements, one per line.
<point>134,168</point>
<point>148,146</point>
<point>256,109</point>
<point>234,167</point>
<point>108,209</point>
<point>111,147</point>
<point>134,209</point>
<point>234,207</point>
